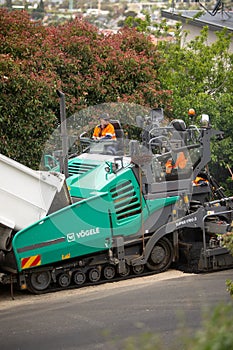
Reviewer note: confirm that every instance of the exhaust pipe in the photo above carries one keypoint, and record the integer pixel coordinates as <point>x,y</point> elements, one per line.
<point>64,137</point>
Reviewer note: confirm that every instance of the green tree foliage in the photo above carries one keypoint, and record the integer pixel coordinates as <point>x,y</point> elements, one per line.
<point>228,242</point>
<point>201,77</point>
<point>89,67</point>
<point>136,22</point>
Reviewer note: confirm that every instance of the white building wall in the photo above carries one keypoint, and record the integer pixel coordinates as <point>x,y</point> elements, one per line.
<point>194,31</point>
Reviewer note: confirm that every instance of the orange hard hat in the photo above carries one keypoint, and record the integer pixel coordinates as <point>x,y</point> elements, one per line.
<point>191,111</point>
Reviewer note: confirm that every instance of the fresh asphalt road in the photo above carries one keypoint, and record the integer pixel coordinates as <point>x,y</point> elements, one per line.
<point>101,317</point>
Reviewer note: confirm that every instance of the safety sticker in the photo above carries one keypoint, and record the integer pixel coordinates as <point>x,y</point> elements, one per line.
<point>31,261</point>
<point>66,256</point>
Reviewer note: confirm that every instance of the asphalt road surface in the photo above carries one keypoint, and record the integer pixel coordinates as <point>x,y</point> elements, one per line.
<point>104,316</point>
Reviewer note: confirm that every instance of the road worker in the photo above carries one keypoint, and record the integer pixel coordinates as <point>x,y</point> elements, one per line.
<point>105,130</point>
<point>200,181</point>
<point>179,163</point>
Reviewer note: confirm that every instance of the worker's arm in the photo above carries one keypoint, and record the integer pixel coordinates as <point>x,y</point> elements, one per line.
<point>96,133</point>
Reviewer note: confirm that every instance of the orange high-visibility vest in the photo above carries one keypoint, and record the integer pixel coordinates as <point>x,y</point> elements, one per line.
<point>180,163</point>
<point>108,130</point>
<point>200,180</point>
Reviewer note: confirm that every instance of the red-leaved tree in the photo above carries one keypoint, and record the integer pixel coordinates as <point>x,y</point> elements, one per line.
<point>89,67</point>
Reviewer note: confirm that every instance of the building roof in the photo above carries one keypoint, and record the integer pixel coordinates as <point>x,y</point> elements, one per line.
<point>215,23</point>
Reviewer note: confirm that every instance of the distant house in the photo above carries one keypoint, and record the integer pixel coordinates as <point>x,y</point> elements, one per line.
<point>193,25</point>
